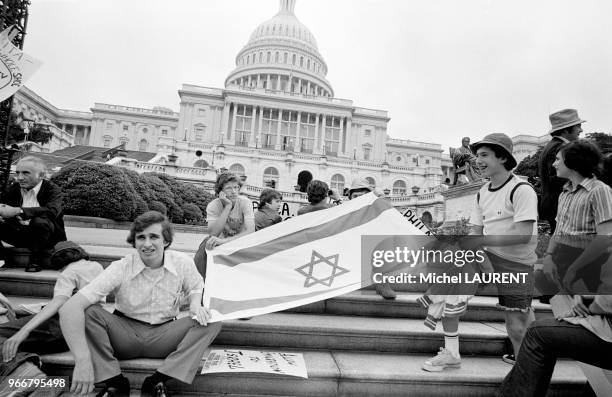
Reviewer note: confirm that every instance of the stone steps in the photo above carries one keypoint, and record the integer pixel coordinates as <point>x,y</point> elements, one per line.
<point>342,373</point>
<point>354,345</point>
<point>358,303</point>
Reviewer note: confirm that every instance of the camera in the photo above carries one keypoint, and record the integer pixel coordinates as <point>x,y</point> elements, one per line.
<point>330,192</point>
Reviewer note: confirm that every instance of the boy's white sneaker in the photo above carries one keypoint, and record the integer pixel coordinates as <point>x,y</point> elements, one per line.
<point>443,360</point>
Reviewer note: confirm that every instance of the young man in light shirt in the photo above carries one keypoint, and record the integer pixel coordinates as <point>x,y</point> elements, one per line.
<point>148,286</point>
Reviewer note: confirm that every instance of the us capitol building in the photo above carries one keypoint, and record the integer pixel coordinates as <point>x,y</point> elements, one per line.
<point>277,122</point>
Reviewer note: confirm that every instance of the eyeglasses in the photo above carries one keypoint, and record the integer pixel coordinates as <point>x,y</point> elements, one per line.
<point>231,188</point>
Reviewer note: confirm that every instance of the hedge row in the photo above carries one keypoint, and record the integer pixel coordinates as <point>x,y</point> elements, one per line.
<point>101,190</point>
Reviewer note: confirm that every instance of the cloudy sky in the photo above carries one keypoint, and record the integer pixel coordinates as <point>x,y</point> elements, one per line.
<point>441,68</point>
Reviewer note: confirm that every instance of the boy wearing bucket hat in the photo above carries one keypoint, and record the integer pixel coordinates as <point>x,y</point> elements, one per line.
<point>504,218</point>
<point>566,126</point>
<point>40,333</point>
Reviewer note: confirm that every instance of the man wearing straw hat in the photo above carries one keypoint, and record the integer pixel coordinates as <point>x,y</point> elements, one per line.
<point>565,127</point>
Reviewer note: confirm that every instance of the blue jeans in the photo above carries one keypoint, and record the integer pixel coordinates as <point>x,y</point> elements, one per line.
<point>545,341</point>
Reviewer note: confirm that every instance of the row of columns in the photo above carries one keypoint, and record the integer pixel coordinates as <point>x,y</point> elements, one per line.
<point>257,114</point>
<point>73,131</point>
<point>311,89</point>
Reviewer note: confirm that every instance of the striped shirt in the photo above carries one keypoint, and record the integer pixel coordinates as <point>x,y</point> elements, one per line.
<point>581,209</point>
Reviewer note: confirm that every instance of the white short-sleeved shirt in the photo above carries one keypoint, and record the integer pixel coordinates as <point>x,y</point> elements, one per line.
<point>242,212</point>
<point>498,215</point>
<point>75,277</point>
<point>145,294</point>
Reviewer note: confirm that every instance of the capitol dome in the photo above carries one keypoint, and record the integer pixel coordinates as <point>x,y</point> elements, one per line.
<point>282,55</point>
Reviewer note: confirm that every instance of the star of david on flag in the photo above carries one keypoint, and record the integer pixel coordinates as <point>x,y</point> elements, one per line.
<point>320,266</point>
<point>302,260</point>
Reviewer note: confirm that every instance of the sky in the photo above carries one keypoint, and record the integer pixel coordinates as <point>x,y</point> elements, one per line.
<point>443,69</point>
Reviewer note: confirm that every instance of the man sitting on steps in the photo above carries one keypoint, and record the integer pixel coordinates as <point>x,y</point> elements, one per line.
<point>147,286</point>
<point>31,212</point>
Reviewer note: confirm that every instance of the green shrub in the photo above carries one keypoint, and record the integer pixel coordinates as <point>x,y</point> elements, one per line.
<point>100,190</point>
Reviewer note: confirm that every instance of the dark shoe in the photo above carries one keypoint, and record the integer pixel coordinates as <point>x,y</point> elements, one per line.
<point>149,389</point>
<point>33,268</point>
<point>509,358</point>
<point>121,390</point>
<point>385,290</point>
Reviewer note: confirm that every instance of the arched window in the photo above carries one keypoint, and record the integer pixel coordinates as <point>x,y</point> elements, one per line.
<point>285,57</point>
<point>270,174</point>
<point>200,163</point>
<point>261,57</point>
<point>237,169</point>
<point>399,188</point>
<point>301,62</point>
<point>337,183</point>
<point>371,181</point>
<point>143,145</point>
<point>308,65</point>
<point>268,57</point>
<point>276,57</point>
<point>145,130</point>
<point>293,59</point>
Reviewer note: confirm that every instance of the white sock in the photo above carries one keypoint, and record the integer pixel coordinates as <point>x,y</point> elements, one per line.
<point>451,343</point>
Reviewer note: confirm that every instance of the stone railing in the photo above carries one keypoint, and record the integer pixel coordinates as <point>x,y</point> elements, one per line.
<point>192,174</point>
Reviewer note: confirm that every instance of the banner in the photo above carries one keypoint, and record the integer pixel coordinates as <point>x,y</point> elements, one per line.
<point>278,363</point>
<point>305,259</point>
<point>15,65</point>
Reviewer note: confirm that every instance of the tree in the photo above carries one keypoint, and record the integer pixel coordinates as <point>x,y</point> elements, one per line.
<point>38,133</point>
<point>602,140</point>
<point>529,165</point>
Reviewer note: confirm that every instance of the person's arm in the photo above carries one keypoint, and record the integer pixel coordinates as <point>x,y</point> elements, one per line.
<point>217,217</point>
<point>9,349</point>
<point>72,322</point>
<point>247,228</point>
<point>594,250</point>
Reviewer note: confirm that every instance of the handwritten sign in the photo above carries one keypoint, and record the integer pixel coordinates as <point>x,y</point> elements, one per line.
<point>15,65</point>
<point>279,363</point>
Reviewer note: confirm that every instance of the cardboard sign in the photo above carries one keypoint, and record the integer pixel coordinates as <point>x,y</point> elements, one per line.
<point>15,65</point>
<point>279,363</point>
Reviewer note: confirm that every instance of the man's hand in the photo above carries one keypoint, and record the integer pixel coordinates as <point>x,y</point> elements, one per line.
<point>213,241</point>
<point>9,307</point>
<point>569,278</point>
<point>579,308</point>
<point>200,313</point>
<point>550,271</point>
<point>6,211</point>
<point>9,349</point>
<point>82,377</point>
<point>224,200</point>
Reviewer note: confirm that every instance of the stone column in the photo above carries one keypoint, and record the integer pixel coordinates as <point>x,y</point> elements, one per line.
<point>261,109</point>
<point>297,133</point>
<point>341,139</point>
<point>252,135</point>
<point>323,126</point>
<point>258,80</point>
<point>268,86</point>
<point>315,145</point>
<point>278,129</point>
<point>278,84</point>
<point>249,81</point>
<point>233,129</point>
<point>225,119</point>
<point>308,88</point>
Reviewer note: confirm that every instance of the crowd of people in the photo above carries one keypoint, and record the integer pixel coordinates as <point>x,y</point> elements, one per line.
<point>148,284</point>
